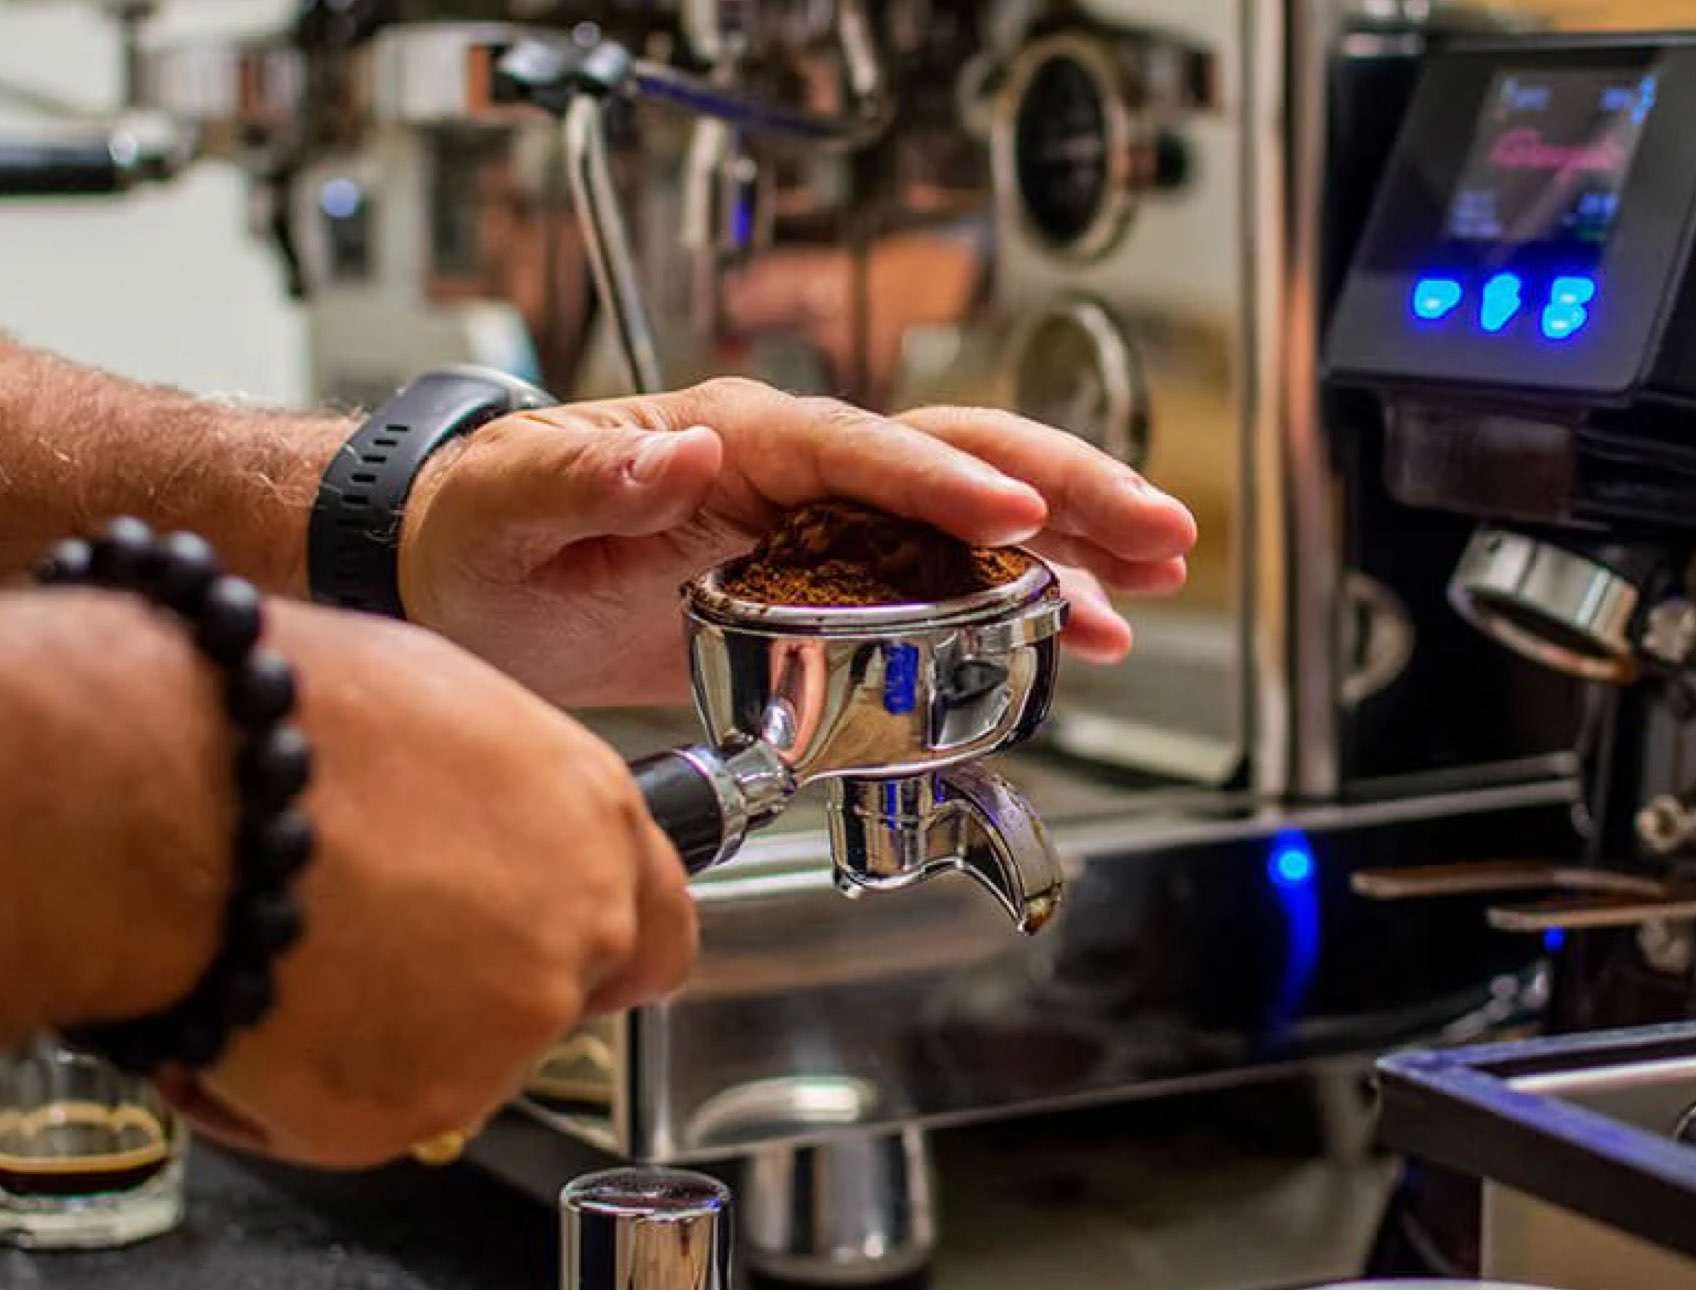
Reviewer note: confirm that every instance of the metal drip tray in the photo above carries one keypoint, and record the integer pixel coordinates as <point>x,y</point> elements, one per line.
<point>1589,1183</point>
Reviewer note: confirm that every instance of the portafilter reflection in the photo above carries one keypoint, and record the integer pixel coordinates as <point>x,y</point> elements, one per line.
<point>893,706</point>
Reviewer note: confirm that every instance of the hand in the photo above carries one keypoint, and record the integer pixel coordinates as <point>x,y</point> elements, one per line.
<point>554,543</point>
<point>487,874</point>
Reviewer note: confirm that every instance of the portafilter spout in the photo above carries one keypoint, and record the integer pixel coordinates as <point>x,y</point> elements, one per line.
<point>894,706</point>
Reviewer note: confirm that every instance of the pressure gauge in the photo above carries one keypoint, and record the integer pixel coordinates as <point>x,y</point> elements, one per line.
<point>1074,367</point>
<point>1072,144</point>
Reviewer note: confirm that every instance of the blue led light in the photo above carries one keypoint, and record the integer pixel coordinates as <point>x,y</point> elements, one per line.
<point>1435,297</point>
<point>1553,939</point>
<point>340,198</point>
<point>1572,291</point>
<point>1562,321</point>
<point>1502,300</point>
<point>1565,314</point>
<point>1291,864</point>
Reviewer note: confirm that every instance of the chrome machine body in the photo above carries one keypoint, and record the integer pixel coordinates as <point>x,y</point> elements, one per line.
<point>1129,218</point>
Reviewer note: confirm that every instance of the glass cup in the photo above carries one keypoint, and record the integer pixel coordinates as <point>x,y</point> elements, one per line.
<point>90,1158</point>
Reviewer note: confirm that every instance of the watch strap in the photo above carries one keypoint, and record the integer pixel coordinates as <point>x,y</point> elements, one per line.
<point>353,540</point>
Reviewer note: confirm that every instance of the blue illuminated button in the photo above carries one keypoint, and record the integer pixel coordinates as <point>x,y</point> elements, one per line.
<point>1565,314</point>
<point>1435,297</point>
<point>1502,301</point>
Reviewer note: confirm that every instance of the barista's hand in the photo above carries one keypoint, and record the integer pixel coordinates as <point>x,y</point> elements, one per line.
<point>553,543</point>
<point>486,875</point>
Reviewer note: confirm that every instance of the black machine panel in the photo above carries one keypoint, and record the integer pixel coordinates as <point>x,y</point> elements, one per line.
<point>1456,708</point>
<point>1531,233</point>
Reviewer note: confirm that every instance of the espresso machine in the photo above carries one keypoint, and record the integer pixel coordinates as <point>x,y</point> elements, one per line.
<point>1513,332</point>
<point>1128,218</point>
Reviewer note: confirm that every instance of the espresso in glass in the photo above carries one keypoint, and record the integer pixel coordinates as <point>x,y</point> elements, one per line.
<point>89,1157</point>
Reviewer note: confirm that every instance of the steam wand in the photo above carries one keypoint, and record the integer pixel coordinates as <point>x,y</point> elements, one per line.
<point>576,82</point>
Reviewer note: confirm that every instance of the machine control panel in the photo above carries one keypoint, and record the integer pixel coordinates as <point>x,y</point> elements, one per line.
<point>1532,232</point>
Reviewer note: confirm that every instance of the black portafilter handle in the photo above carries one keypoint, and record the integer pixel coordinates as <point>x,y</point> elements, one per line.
<point>689,808</point>
<point>83,167</point>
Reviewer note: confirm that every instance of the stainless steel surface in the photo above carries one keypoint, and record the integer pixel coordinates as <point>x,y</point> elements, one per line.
<point>646,1229</point>
<point>1296,553</point>
<point>1549,604</point>
<point>1669,631</point>
<point>809,1018</point>
<point>1530,1238</point>
<point>1155,1199</point>
<point>439,73</point>
<point>857,1210</point>
<point>1665,825</point>
<point>236,97</point>
<point>891,705</point>
<point>878,692</point>
<point>608,242</point>
<point>1527,1239</point>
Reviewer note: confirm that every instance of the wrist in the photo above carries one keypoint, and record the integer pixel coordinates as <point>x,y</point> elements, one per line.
<point>357,522</point>
<point>120,814</point>
<point>413,563</point>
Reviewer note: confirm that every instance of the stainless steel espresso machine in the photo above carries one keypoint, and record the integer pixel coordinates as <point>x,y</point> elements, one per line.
<point>1130,218</point>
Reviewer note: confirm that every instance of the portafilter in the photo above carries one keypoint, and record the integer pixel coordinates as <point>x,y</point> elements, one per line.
<point>894,707</point>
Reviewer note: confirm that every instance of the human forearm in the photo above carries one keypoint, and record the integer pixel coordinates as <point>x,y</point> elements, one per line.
<point>78,446</point>
<point>114,810</point>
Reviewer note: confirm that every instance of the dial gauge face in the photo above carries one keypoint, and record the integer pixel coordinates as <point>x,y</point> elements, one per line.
<point>1074,368</point>
<point>1062,149</point>
<point>1070,140</point>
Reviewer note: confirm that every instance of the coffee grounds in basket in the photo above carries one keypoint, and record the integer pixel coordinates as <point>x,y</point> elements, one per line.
<point>843,554</point>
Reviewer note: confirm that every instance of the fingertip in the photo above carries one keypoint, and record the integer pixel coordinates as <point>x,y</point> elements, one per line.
<point>1174,520</point>
<point>1103,646</point>
<point>1187,532</point>
<point>1095,630</point>
<point>1171,576</point>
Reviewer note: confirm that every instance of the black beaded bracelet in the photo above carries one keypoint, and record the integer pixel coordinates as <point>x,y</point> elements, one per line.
<point>273,840</point>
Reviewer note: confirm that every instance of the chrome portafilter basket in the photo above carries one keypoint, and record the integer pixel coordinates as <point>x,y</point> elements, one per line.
<point>894,708</point>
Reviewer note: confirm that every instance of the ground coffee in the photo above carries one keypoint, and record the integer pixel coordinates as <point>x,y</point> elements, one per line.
<point>839,553</point>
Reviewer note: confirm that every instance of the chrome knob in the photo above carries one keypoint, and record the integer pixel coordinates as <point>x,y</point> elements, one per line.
<point>646,1229</point>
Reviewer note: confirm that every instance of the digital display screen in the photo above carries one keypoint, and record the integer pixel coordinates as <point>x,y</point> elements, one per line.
<point>1551,156</point>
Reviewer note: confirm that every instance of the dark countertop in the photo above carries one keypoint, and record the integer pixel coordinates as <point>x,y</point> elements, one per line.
<point>254,1226</point>
<point>1216,1192</point>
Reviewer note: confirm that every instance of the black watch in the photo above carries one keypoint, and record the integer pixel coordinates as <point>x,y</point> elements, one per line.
<point>353,541</point>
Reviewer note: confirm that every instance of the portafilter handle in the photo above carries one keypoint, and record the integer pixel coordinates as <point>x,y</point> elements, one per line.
<point>707,800</point>
<point>646,1229</point>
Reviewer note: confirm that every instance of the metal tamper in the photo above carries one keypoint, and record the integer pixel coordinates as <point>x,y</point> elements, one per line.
<point>646,1229</point>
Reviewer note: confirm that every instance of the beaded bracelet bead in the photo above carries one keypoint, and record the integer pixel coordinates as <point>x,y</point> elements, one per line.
<point>273,841</point>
